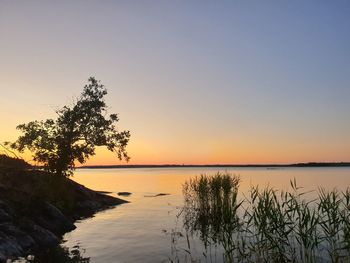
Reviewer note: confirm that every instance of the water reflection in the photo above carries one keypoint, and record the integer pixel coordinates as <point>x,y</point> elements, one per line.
<point>61,254</point>
<point>133,232</point>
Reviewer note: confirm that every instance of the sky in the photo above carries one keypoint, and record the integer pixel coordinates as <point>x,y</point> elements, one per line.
<point>195,82</point>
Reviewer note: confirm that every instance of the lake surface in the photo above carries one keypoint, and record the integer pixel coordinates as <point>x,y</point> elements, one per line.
<point>140,231</point>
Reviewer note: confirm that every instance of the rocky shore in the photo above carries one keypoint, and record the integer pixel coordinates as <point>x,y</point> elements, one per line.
<point>37,208</point>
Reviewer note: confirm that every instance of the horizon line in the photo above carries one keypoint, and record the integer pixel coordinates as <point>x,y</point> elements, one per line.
<point>302,164</point>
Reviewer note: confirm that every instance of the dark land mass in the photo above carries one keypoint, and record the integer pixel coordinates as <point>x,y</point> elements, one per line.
<point>310,164</point>
<point>37,208</point>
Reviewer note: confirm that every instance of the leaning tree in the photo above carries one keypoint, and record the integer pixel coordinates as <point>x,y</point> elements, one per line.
<point>73,136</point>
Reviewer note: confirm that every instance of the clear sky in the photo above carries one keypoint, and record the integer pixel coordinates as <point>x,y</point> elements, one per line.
<point>194,81</point>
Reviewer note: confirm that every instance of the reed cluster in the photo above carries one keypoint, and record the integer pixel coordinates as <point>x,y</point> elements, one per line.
<point>268,225</point>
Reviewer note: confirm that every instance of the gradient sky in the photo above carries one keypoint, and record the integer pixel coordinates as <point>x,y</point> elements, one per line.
<point>194,81</point>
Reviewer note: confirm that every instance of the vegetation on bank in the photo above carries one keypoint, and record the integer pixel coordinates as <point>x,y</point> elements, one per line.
<point>269,225</point>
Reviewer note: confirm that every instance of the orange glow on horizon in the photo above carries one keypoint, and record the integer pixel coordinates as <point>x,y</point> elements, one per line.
<point>224,152</point>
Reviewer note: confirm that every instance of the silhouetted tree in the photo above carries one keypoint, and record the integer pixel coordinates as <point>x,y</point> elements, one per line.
<point>76,132</point>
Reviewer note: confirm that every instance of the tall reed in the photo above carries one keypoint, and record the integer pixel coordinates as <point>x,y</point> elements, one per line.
<point>211,206</point>
<point>268,225</point>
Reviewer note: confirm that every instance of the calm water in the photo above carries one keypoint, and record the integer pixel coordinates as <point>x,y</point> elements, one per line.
<point>140,230</point>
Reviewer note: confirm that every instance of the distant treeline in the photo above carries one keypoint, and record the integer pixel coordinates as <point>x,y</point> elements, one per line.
<point>310,164</point>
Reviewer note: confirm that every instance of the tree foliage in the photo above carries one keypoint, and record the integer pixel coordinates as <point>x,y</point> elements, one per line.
<point>76,132</point>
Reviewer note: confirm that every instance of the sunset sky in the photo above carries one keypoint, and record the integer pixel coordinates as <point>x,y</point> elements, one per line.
<point>195,82</point>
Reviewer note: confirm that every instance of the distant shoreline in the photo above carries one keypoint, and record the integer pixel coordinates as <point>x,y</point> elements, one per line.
<point>310,164</point>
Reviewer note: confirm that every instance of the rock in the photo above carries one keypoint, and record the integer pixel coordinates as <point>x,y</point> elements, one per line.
<point>52,219</point>
<point>4,206</point>
<point>87,207</point>
<point>9,247</point>
<point>28,218</point>
<point>43,237</point>
<point>160,194</point>
<point>2,258</point>
<point>13,232</point>
<point>124,193</point>
<point>4,216</point>
<point>30,257</point>
<point>103,192</point>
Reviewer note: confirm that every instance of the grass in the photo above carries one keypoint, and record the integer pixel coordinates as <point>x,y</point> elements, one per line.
<point>268,225</point>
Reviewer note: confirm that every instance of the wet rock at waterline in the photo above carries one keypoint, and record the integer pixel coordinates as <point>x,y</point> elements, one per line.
<point>124,193</point>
